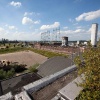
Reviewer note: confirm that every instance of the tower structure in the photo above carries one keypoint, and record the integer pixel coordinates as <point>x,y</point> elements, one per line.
<point>64,41</point>
<point>94,30</point>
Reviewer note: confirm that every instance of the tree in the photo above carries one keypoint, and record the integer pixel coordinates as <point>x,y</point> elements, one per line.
<point>89,43</point>
<point>90,67</point>
<point>98,44</point>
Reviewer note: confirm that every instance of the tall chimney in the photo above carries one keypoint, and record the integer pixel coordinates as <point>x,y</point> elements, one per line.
<point>94,30</point>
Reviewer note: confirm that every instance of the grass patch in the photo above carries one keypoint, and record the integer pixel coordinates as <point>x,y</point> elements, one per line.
<point>48,54</point>
<point>45,53</point>
<point>10,50</point>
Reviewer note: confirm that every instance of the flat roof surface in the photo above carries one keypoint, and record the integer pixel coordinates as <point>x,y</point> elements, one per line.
<point>54,65</point>
<point>7,96</point>
<point>51,90</point>
<point>22,96</point>
<point>15,84</point>
<point>71,91</point>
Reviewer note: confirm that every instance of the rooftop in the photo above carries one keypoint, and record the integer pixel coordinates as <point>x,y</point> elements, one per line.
<point>51,90</point>
<point>71,91</point>
<point>15,84</point>
<point>54,65</point>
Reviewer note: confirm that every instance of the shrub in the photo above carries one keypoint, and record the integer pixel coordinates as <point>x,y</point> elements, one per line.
<point>6,74</point>
<point>19,68</point>
<point>7,46</point>
<point>91,70</point>
<point>2,74</point>
<point>34,68</point>
<point>10,73</point>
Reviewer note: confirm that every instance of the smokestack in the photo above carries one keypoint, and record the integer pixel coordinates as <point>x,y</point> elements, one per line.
<point>94,30</point>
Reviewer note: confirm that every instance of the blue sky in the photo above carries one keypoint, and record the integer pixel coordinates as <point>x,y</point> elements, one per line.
<point>27,19</point>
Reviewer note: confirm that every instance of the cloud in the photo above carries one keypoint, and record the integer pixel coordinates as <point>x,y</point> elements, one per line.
<point>79,31</point>
<point>67,32</point>
<point>71,20</point>
<point>26,21</point>
<point>19,35</point>
<point>25,36</point>
<point>77,34</point>
<point>37,22</point>
<point>27,13</point>
<point>15,4</point>
<point>12,28</point>
<point>31,13</point>
<point>74,31</point>
<point>75,24</point>
<point>79,27</point>
<point>45,27</point>
<point>65,27</point>
<point>88,16</point>
<point>1,30</point>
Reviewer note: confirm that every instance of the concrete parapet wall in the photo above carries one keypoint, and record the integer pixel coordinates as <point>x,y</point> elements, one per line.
<point>32,87</point>
<point>22,96</point>
<point>7,96</point>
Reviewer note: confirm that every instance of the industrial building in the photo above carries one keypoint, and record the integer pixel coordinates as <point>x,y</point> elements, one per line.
<point>64,41</point>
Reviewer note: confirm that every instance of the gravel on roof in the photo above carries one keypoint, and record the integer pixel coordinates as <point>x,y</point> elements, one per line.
<point>51,90</point>
<point>15,84</point>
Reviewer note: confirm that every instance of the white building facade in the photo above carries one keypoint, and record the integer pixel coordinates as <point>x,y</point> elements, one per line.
<point>94,31</point>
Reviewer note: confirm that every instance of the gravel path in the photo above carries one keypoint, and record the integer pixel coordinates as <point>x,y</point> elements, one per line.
<point>24,57</point>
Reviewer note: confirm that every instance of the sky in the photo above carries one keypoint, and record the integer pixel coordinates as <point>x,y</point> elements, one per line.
<point>27,19</point>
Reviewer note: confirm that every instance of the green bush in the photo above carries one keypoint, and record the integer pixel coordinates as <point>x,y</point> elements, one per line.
<point>2,74</point>
<point>19,67</point>
<point>10,73</point>
<point>6,74</point>
<point>9,69</point>
<point>91,70</point>
<point>33,68</point>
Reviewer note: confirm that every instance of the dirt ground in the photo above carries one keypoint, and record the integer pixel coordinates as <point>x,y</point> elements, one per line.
<point>48,92</point>
<point>24,57</point>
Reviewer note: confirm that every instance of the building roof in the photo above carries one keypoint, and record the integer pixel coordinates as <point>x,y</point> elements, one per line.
<point>7,96</point>
<point>49,91</point>
<point>15,84</point>
<point>71,91</point>
<point>54,65</point>
<point>22,96</point>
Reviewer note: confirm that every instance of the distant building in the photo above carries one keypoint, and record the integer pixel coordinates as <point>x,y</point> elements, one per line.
<point>64,41</point>
<point>94,30</point>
